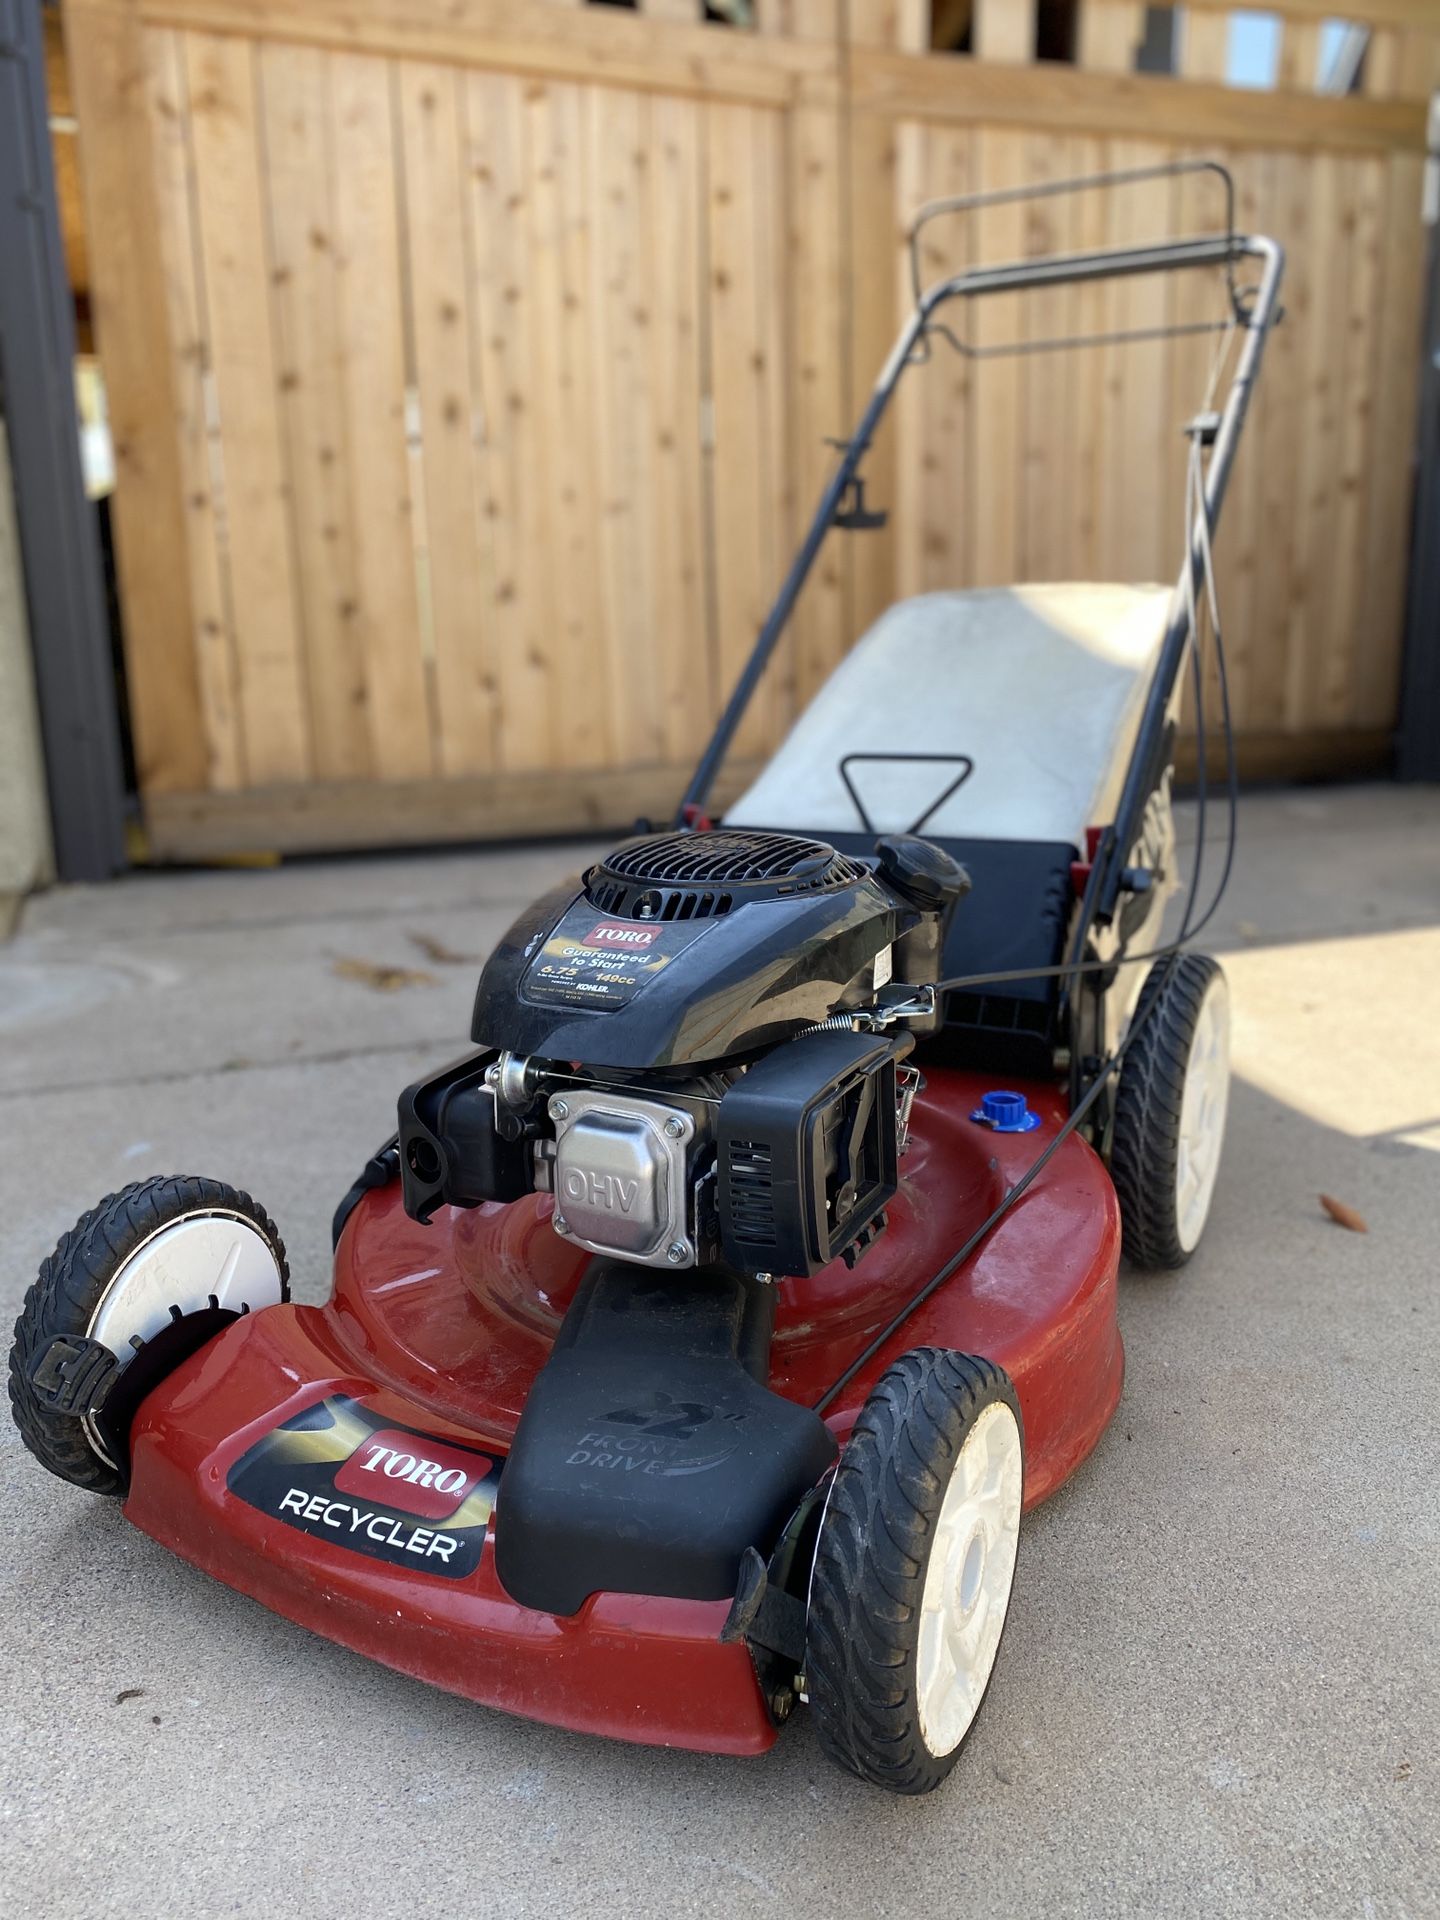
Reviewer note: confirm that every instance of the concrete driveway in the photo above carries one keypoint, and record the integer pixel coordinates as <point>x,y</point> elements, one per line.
<point>1220,1689</point>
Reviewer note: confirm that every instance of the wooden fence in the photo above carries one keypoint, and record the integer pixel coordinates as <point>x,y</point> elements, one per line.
<point>470,364</point>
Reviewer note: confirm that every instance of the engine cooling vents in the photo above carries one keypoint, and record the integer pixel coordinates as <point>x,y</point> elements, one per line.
<point>750,1166</point>
<point>694,876</point>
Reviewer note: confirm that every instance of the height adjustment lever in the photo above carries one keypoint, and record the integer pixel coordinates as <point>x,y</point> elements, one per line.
<point>852,513</point>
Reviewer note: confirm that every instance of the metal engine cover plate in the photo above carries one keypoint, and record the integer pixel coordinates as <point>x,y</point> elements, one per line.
<point>621,1176</point>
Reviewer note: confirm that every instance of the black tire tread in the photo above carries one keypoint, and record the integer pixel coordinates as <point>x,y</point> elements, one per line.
<point>65,1293</point>
<point>1145,1145</point>
<point>870,1563</point>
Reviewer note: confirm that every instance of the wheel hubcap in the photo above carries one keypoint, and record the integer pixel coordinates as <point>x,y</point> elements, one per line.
<point>1202,1115</point>
<point>196,1261</point>
<point>968,1579</point>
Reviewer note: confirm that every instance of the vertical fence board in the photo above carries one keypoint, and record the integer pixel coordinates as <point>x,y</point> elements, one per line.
<point>1044,476</point>
<point>623,397</point>
<point>817,266</point>
<point>221,78</point>
<point>917,484</point>
<point>878,286</point>
<point>1138,445</point>
<point>1197,206</point>
<point>884,23</point>
<point>1299,55</point>
<point>1110,34</point>
<point>994,509</point>
<point>1205,45</point>
<point>592,653</point>
<point>574,644</point>
<point>457,534</point>
<point>1420,64</point>
<point>1362,271</point>
<point>130,306</point>
<point>499,317</point>
<point>1244,543</point>
<point>212,635</point>
<point>1083,416</point>
<point>774,371</point>
<point>1317,455</point>
<point>1278,425</point>
<point>1380,77</point>
<point>747,476</point>
<point>877,269</point>
<point>387,615</point>
<point>933,486</point>
<point>543,560</point>
<point>1387,534</point>
<point>295,95</point>
<point>1004,30</point>
<point>684,630</point>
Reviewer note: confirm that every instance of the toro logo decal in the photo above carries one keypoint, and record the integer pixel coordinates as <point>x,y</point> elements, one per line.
<point>336,1472</point>
<point>421,1476</point>
<point>620,937</point>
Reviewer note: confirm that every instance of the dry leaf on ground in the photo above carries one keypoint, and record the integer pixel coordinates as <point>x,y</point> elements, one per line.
<point>1342,1215</point>
<point>383,979</point>
<point>442,955</point>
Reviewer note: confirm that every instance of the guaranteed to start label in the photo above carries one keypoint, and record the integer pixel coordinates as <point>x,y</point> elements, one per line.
<point>338,1473</point>
<point>589,961</point>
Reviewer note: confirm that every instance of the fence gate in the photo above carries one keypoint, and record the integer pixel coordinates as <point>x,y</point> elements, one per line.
<point>470,364</point>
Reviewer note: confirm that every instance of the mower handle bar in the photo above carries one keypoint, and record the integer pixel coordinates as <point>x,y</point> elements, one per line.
<point>1109,263</point>
<point>1060,189</point>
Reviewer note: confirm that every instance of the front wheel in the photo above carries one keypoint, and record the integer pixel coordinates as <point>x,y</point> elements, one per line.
<point>143,1263</point>
<point>913,1568</point>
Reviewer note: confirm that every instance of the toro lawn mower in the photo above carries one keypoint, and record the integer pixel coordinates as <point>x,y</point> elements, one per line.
<point>696,1343</point>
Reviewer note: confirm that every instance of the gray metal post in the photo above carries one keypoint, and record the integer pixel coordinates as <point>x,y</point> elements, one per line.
<point>59,539</point>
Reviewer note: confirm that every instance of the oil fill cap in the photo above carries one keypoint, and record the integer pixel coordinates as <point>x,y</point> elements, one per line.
<point>1005,1113</point>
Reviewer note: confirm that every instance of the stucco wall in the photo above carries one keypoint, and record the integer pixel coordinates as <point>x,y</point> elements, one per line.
<point>25,859</point>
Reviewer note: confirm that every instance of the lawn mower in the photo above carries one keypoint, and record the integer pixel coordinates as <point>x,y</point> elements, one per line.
<point>698,1339</point>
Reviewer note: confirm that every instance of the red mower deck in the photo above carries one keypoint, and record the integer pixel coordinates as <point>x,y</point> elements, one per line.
<point>426,1378</point>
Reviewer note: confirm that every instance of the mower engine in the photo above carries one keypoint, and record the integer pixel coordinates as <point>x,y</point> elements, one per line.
<point>698,1049</point>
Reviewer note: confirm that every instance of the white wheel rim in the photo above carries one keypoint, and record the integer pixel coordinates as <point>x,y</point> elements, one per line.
<point>184,1265</point>
<point>968,1579</point>
<point>1202,1115</point>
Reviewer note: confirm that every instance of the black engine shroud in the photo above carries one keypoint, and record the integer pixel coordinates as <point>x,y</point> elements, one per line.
<point>688,949</point>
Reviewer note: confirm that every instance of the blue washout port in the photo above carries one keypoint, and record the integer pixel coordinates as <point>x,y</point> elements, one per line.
<point>1005,1113</point>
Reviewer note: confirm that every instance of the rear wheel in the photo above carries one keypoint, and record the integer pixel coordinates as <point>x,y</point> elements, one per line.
<point>153,1254</point>
<point>1170,1110</point>
<point>914,1567</point>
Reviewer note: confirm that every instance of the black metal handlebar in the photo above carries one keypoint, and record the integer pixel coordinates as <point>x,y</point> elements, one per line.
<point>1253,315</point>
